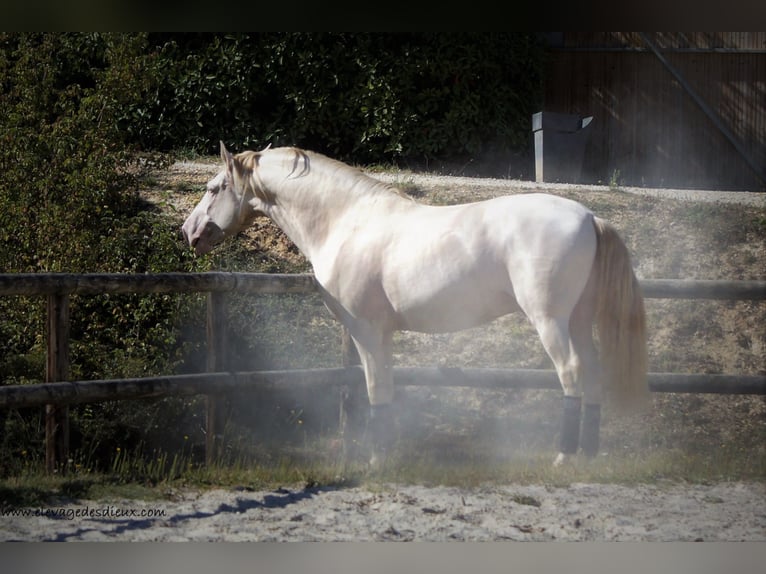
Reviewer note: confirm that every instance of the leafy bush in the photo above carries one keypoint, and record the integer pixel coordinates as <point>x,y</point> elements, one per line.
<point>356,96</point>
<point>69,203</point>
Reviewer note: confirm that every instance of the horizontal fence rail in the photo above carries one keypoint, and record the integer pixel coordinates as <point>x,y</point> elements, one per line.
<point>57,393</point>
<point>32,284</point>
<point>75,392</point>
<point>709,289</point>
<point>100,283</point>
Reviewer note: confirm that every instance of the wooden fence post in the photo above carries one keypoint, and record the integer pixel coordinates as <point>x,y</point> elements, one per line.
<point>57,369</point>
<point>216,361</point>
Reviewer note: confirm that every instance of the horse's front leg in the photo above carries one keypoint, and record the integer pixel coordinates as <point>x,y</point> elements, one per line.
<point>375,352</point>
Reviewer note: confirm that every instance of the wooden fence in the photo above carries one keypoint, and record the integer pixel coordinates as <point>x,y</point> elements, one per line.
<point>58,392</point>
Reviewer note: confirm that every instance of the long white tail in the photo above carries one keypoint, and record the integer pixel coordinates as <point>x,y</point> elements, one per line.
<point>621,321</point>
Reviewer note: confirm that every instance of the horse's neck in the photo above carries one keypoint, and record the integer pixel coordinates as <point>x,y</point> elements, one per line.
<point>312,207</point>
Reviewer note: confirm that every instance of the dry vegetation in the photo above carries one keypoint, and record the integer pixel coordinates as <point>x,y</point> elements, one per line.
<point>669,238</point>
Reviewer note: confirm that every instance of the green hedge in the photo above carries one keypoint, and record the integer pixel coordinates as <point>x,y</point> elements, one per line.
<point>68,174</point>
<point>69,202</point>
<point>356,96</point>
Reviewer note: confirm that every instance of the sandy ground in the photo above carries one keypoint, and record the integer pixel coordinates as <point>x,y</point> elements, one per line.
<point>580,512</point>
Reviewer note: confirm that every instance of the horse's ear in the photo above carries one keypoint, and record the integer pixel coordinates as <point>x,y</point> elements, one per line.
<point>228,160</point>
<point>225,155</point>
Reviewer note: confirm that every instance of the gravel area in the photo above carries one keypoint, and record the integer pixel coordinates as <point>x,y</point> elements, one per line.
<point>580,512</point>
<point>757,199</point>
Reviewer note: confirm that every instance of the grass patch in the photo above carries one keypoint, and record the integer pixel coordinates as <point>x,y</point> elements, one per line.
<point>307,470</point>
<point>408,187</point>
<point>628,469</point>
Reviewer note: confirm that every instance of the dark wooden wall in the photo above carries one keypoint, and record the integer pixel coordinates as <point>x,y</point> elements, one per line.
<point>647,128</point>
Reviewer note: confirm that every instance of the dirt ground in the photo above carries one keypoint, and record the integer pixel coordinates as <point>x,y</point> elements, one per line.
<point>579,512</point>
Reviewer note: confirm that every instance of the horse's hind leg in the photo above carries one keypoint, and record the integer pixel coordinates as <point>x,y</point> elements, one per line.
<point>581,330</point>
<point>554,334</point>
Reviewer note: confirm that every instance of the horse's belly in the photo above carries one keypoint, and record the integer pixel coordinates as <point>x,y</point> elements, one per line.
<point>453,309</point>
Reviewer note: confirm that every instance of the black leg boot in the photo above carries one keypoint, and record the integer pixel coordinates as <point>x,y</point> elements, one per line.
<point>570,426</point>
<point>380,430</point>
<point>591,425</point>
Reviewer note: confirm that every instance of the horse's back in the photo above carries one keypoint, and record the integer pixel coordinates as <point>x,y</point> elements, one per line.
<point>540,214</point>
<point>459,266</point>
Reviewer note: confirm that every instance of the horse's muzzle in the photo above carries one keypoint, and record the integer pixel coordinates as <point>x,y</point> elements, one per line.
<point>203,238</point>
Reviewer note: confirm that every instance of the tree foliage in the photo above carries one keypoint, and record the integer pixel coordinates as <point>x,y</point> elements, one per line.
<point>359,97</point>
<point>69,203</point>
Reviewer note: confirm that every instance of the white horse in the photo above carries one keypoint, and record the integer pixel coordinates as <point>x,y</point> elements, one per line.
<point>385,262</point>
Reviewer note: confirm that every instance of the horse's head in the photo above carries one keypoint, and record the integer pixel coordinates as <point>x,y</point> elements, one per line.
<point>228,206</point>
